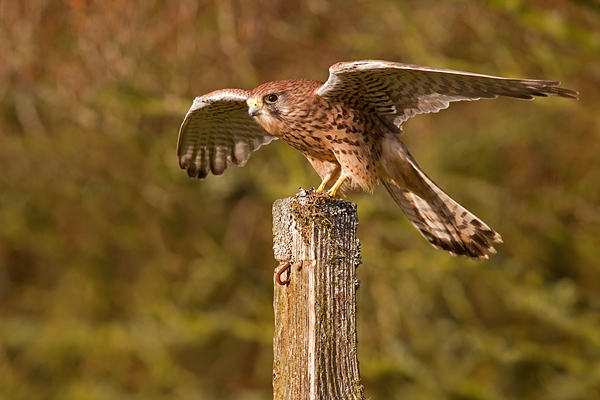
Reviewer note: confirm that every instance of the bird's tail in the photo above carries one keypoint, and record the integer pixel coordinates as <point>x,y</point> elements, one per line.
<point>441,220</point>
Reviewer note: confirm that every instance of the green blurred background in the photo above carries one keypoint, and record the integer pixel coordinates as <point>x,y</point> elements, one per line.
<point>121,278</point>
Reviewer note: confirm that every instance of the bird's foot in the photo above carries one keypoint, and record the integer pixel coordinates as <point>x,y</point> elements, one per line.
<point>337,185</point>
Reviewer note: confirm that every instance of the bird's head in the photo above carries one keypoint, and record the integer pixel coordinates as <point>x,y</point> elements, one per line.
<point>275,105</point>
<point>266,106</point>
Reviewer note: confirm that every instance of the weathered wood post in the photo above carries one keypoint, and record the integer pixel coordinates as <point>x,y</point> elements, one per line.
<point>315,341</point>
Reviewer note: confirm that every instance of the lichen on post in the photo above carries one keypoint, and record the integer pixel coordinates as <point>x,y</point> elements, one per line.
<point>315,340</point>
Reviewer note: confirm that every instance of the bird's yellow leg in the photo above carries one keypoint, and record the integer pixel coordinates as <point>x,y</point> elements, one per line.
<point>337,185</point>
<point>326,180</point>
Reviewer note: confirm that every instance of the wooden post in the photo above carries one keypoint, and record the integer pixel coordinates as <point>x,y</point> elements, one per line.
<point>315,342</point>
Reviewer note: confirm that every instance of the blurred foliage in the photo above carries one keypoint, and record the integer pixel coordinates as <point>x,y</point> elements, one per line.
<point>121,278</point>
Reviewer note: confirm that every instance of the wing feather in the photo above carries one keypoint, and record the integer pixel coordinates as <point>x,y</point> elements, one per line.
<point>216,132</point>
<point>401,91</point>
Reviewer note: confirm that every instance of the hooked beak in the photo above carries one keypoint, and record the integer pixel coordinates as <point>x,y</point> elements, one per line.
<point>253,111</point>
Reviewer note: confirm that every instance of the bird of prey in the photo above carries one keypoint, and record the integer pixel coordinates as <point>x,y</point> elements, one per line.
<point>349,130</point>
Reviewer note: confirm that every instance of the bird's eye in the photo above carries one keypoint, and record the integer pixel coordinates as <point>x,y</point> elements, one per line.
<point>271,98</point>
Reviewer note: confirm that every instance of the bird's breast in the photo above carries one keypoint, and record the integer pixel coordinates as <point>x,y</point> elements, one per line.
<point>310,141</point>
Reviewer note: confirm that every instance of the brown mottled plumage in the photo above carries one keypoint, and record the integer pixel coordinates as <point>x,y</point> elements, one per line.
<point>349,128</point>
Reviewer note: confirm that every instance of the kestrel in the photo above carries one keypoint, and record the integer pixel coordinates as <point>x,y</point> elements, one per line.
<point>349,130</point>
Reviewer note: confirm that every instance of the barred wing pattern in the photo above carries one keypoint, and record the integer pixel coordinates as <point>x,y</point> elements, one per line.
<point>216,132</point>
<point>401,91</point>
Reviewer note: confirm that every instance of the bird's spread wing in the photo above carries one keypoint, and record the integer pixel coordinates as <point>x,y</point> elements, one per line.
<point>217,131</point>
<point>401,91</point>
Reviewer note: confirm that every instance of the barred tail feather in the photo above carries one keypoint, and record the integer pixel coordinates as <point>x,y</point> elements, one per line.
<point>441,220</point>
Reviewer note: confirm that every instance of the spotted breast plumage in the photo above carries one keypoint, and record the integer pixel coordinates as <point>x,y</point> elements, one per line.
<point>349,130</point>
